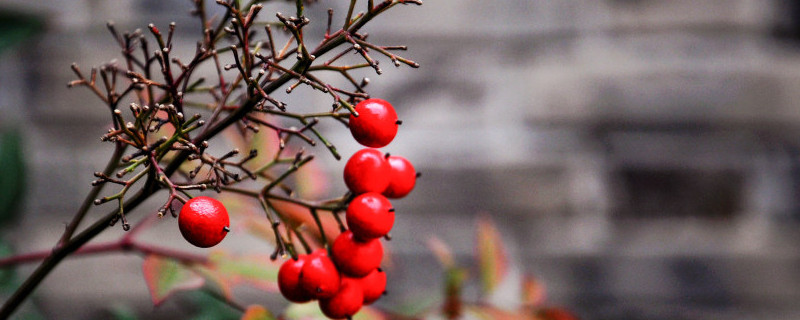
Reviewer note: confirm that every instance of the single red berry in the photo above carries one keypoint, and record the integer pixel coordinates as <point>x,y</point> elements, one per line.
<point>376,124</point>
<point>346,302</point>
<point>319,277</point>
<point>356,258</point>
<point>203,221</point>
<point>402,177</point>
<point>289,280</point>
<point>367,170</point>
<point>373,285</point>
<point>370,215</point>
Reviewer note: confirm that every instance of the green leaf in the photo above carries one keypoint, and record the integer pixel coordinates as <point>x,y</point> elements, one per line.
<point>211,308</point>
<point>122,312</point>
<point>215,280</point>
<point>166,276</point>
<point>255,270</point>
<point>257,312</point>
<point>492,259</point>
<point>304,311</point>
<point>369,313</point>
<point>225,271</point>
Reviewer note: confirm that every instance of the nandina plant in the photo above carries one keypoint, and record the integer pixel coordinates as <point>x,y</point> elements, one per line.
<point>168,113</point>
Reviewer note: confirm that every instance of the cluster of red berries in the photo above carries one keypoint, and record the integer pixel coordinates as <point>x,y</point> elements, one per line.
<point>350,275</point>
<point>316,276</point>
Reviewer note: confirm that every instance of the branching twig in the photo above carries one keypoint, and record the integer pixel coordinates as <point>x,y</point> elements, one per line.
<point>161,105</point>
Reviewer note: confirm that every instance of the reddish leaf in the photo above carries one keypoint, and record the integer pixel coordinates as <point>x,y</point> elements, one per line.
<point>453,306</point>
<point>257,312</point>
<point>217,280</point>
<point>300,215</point>
<point>441,251</point>
<point>254,221</point>
<point>492,259</point>
<point>265,142</point>
<point>249,215</point>
<point>311,180</point>
<point>259,227</point>
<point>166,276</point>
<point>533,292</point>
<point>555,313</point>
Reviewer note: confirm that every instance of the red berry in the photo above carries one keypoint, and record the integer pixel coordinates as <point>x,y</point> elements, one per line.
<point>346,302</point>
<point>289,280</point>
<point>319,277</point>
<point>402,177</point>
<point>373,285</point>
<point>370,215</point>
<point>356,258</point>
<point>367,170</point>
<point>203,221</point>
<point>376,124</point>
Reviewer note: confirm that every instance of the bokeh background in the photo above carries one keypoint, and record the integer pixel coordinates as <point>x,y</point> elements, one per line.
<point>639,157</point>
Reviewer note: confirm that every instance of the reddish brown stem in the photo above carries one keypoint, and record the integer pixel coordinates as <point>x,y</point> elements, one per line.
<point>122,245</point>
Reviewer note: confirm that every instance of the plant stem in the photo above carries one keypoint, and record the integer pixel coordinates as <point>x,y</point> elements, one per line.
<point>87,202</point>
<point>71,245</point>
<point>64,250</point>
<point>122,245</point>
<point>320,227</point>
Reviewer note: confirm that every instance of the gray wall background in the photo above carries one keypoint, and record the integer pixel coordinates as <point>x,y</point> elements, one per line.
<point>640,157</point>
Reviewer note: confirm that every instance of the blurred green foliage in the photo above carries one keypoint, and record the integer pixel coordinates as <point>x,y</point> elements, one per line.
<point>12,174</point>
<point>15,27</point>
<point>210,308</point>
<point>9,281</point>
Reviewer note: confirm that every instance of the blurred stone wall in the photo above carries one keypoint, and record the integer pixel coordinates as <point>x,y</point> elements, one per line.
<point>639,156</point>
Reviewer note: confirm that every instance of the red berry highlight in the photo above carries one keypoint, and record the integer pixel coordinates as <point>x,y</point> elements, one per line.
<point>402,177</point>
<point>289,280</point>
<point>367,171</point>
<point>373,285</point>
<point>346,302</point>
<point>376,124</point>
<point>319,277</point>
<point>370,215</point>
<point>203,221</point>
<point>356,258</point>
